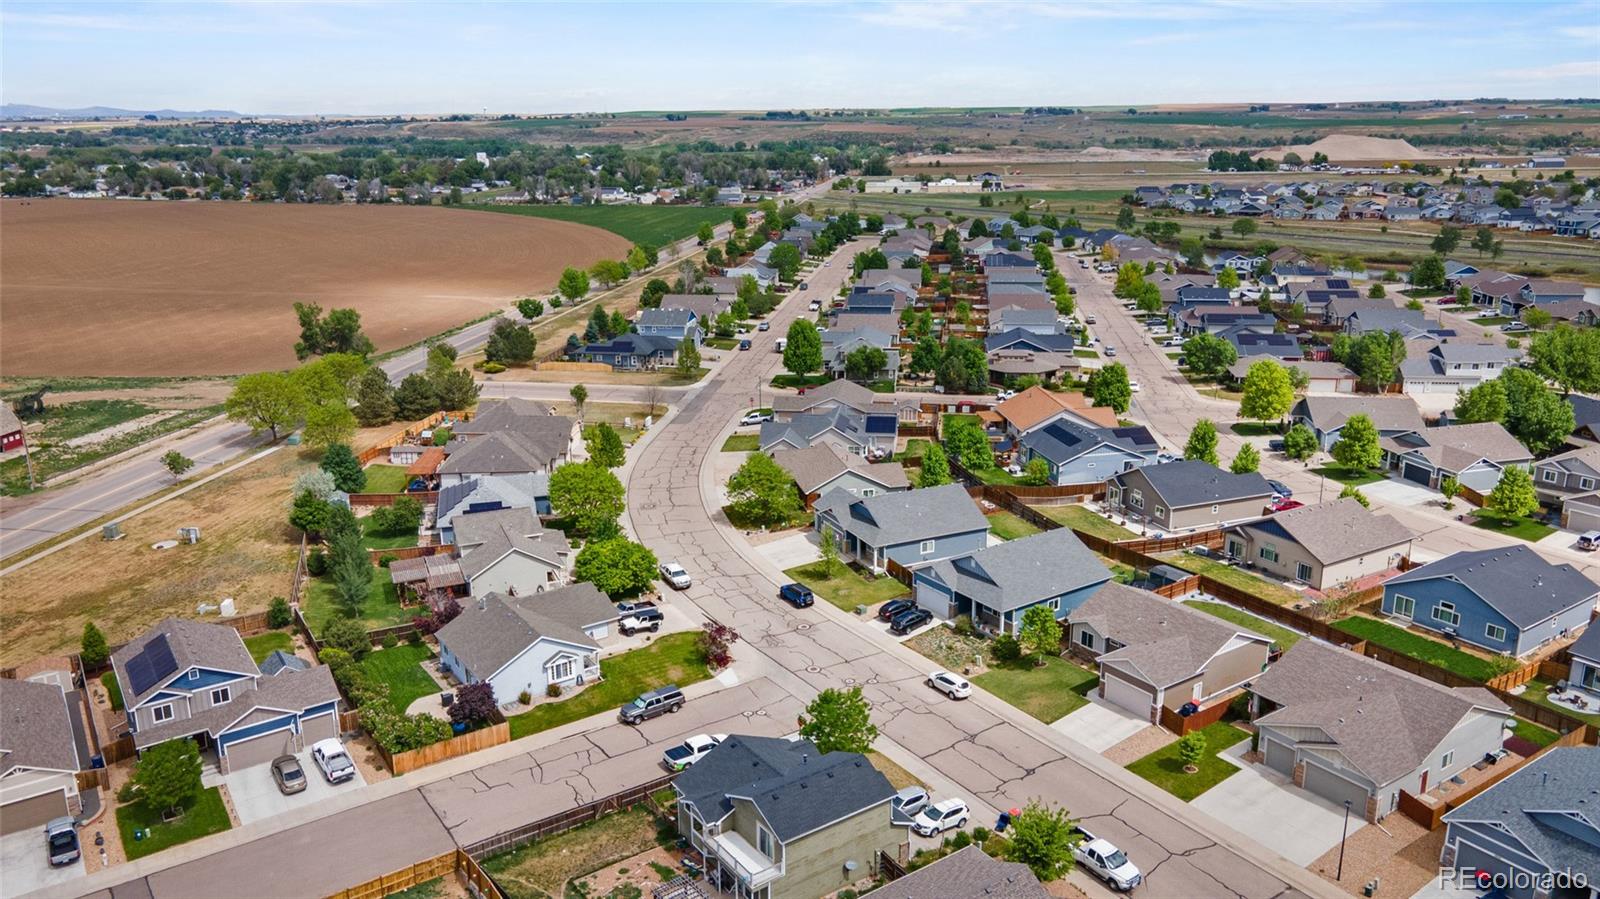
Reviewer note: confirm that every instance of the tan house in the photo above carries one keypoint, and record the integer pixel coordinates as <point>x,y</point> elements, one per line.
<point>780,820</point>
<point>1322,545</point>
<point>39,757</point>
<point>1156,654</point>
<point>1036,406</point>
<point>823,467</point>
<point>1187,495</point>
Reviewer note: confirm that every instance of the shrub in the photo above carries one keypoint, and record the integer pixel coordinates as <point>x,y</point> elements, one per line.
<point>552,690</point>
<point>961,840</point>
<point>715,643</point>
<point>413,637</point>
<point>980,835</point>
<point>387,559</point>
<point>278,613</point>
<point>348,635</point>
<point>441,436</point>
<point>389,641</point>
<point>317,562</point>
<point>475,704</point>
<point>963,626</point>
<point>491,368</point>
<point>1006,648</point>
<point>525,697</point>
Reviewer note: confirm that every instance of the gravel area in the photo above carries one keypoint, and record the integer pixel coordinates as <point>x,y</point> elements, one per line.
<point>1405,857</point>
<point>1140,745</point>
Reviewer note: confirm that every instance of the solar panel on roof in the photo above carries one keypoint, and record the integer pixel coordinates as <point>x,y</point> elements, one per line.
<point>153,664</point>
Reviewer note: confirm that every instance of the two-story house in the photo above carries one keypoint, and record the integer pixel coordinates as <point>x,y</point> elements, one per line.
<point>1326,415</point>
<point>673,324</point>
<point>994,586</point>
<point>188,679</point>
<point>1187,494</point>
<point>858,434</point>
<point>1573,475</point>
<point>910,528</point>
<point>1085,455</point>
<point>510,551</point>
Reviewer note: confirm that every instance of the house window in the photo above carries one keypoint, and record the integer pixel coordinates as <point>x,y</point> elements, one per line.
<point>1494,632</point>
<point>1302,571</point>
<point>1446,613</point>
<point>926,547</point>
<point>1113,495</point>
<point>161,713</point>
<point>1549,475</point>
<point>1054,603</point>
<point>1586,483</point>
<point>1447,759</point>
<point>1268,552</point>
<point>1136,499</point>
<point>561,670</point>
<point>1405,606</point>
<point>869,491</point>
<point>194,673</point>
<point>1215,509</point>
<point>221,695</point>
<point>1086,638</point>
<point>764,841</point>
<point>1161,512</point>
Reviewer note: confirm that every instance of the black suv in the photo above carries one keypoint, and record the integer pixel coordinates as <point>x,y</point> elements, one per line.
<point>909,620</point>
<point>894,607</point>
<point>797,595</point>
<point>659,701</point>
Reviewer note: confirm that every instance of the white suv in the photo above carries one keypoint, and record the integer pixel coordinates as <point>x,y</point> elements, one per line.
<point>940,817</point>
<point>673,573</point>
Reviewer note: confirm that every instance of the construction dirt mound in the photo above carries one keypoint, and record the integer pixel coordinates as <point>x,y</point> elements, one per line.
<point>1350,148</point>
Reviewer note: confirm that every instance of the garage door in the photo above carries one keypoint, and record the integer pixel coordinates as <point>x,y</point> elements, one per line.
<point>1279,757</point>
<point>259,750</point>
<point>36,812</point>
<point>1127,695</point>
<point>1336,789</point>
<point>1417,473</point>
<point>322,727</point>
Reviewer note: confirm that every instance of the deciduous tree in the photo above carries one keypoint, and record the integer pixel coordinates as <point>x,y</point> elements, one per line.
<point>616,566</point>
<point>1357,447</point>
<point>1209,355</point>
<point>1300,443</point>
<point>935,467</point>
<point>1043,838</point>
<point>967,442</point>
<point>1568,356</point>
<point>574,283</point>
<point>176,463</point>
<point>1202,445</point>
<point>1040,633</point>
<point>1248,460</point>
<point>604,445</point>
<point>588,496</point>
<point>1513,495</point>
<point>328,423</point>
<point>266,401</point>
<point>1485,402</point>
<point>785,257</point>
<point>1109,387</point>
<point>510,343</point>
<point>802,351</point>
<point>839,721</point>
<point>761,492</point>
<point>864,362</point>
<point>168,774</point>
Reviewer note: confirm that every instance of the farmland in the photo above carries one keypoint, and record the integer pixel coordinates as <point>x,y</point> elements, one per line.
<point>653,225</point>
<point>207,288</point>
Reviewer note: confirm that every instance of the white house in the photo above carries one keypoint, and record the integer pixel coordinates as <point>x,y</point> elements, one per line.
<point>522,644</point>
<point>38,756</point>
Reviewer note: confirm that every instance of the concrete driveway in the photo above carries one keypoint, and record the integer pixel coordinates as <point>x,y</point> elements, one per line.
<point>256,797</point>
<point>795,549</point>
<point>1100,725</point>
<point>25,866</point>
<point>1263,804</point>
<point>1400,493</point>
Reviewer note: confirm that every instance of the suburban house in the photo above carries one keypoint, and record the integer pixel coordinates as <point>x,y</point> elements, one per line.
<point>1209,320</point>
<point>1538,292</point>
<point>765,277</point>
<point>1536,830</point>
<point>1352,729</point>
<point>782,820</point>
<point>1506,600</point>
<point>1566,475</point>
<point>856,434</point>
<point>1036,406</point>
<point>1156,654</point>
<point>509,437</point>
<point>518,644</point>
<point>838,344</point>
<point>841,394</point>
<point>995,585</point>
<point>1085,455</point>
<point>674,324</point>
<point>509,551</point>
<point>968,873</point>
<point>1324,545</point>
<point>1249,341</point>
<point>705,306</point>
<point>1023,339</point>
<point>40,756</point>
<point>1034,321</point>
<point>1585,672</point>
<point>1452,366</point>
<point>1410,323</point>
<point>1187,495</point>
<point>1321,377</point>
<point>910,528</point>
<point>1005,366</point>
<point>633,352</point>
<point>823,467</point>
<point>1585,419</point>
<point>188,679</point>
<point>1326,415</point>
<point>485,494</point>
<point>1474,454</point>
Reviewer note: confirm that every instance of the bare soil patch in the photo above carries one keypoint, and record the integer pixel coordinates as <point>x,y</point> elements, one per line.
<point>136,288</point>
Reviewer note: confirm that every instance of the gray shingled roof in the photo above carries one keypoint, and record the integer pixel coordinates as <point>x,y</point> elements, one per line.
<point>1062,441</point>
<point>288,690</point>
<point>1336,530</point>
<point>1514,580</point>
<point>1538,804</point>
<point>1458,446</point>
<point>815,466</point>
<point>802,429</point>
<point>193,643</point>
<point>894,518</point>
<point>484,538</point>
<point>1329,413</point>
<point>36,728</point>
<point>1588,645</point>
<point>1022,572</point>
<point>966,874</point>
<point>842,392</point>
<point>1164,642</point>
<point>1384,721</point>
<point>1191,482</point>
<point>496,629</point>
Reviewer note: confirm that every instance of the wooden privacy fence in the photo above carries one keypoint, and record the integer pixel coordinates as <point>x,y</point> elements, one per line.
<point>388,499</point>
<point>1211,714</point>
<point>564,821</point>
<point>381,448</point>
<point>1430,813</point>
<point>455,861</point>
<point>472,741</point>
<point>412,552</point>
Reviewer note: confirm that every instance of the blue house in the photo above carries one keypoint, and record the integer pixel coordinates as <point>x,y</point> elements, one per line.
<point>632,352</point>
<point>995,585</point>
<point>673,324</point>
<point>911,528</point>
<point>1022,339</point>
<point>1083,455</point>
<point>1507,600</point>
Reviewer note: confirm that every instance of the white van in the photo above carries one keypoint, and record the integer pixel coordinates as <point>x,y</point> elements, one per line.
<point>779,344</point>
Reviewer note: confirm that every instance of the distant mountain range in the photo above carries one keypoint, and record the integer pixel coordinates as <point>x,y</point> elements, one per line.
<point>25,111</point>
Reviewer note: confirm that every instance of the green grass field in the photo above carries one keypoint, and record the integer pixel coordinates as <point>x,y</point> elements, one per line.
<point>742,443</point>
<point>1046,692</point>
<point>385,479</point>
<point>1235,577</point>
<point>1417,647</point>
<point>207,816</point>
<point>653,225</point>
<point>1280,635</point>
<point>401,668</point>
<point>1082,519</point>
<point>673,659</point>
<point>381,609</point>
<point>263,645</point>
<point>1009,527</point>
<point>372,540</point>
<point>1164,769</point>
<point>843,587</point>
<point>1346,476</point>
<point>1520,528</point>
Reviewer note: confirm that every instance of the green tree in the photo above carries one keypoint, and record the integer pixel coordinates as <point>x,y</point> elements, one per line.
<point>785,257</point>
<point>1450,488</point>
<point>616,566</point>
<point>374,399</point>
<point>340,462</point>
<point>1513,496</point>
<point>1268,392</point>
<point>1043,838</point>
<point>1357,447</point>
<point>309,512</point>
<point>266,401</point>
<point>580,395</point>
<point>762,493</point>
<point>1485,402</point>
<point>329,423</point>
<point>864,362</point>
<point>1376,292</point>
<point>802,351</point>
<point>604,445</point>
<point>1125,221</point>
<point>1248,460</point>
<point>574,283</point>
<point>1568,356</point>
<point>1192,750</point>
<point>828,547</point>
<point>1109,387</point>
<point>510,343</point>
<point>1040,632</point>
<point>416,398</point>
<point>967,442</point>
<point>168,775</point>
<point>1542,422</point>
<point>1428,273</point>
<point>1375,357</point>
<point>1244,227</point>
<point>1483,242</point>
<point>608,272</point>
<point>935,467</point>
<point>1446,241</point>
<point>176,463</point>
<point>924,355</point>
<point>839,721</point>
<point>1228,279</point>
<point>339,332</point>
<point>705,233</point>
<point>93,651</point>
<point>688,358</point>
<point>1300,443</point>
<point>1129,279</point>
<point>1464,295</point>
<point>1036,473</point>
<point>1202,445</point>
<point>1208,355</point>
<point>1148,298</point>
<point>588,496</point>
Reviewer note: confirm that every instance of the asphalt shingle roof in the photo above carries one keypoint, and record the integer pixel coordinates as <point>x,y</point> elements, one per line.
<point>894,518</point>
<point>1540,802</point>
<point>1336,530</point>
<point>1190,482</point>
<point>966,874</point>
<point>815,466</point>
<point>1019,573</point>
<point>1061,441</point>
<point>1329,413</point>
<point>1516,581</point>
<point>36,728</point>
<point>498,628</point>
<point>1164,642</point>
<point>215,646</point>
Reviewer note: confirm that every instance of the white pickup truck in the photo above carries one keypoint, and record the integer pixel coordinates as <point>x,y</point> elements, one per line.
<point>1105,861</point>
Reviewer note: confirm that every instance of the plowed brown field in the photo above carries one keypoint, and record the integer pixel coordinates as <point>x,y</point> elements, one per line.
<point>121,287</point>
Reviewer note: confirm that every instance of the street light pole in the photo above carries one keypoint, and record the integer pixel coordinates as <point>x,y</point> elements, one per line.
<point>1342,837</point>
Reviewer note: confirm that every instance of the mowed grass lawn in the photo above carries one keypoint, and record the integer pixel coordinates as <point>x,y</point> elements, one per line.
<point>207,816</point>
<point>381,609</point>
<point>742,443</point>
<point>401,668</point>
<point>1083,519</point>
<point>1164,769</point>
<point>372,540</point>
<point>844,587</point>
<point>1355,478</point>
<point>1537,692</point>
<point>673,659</point>
<point>1417,647</point>
<point>385,479</point>
<point>653,225</point>
<point>1235,577</point>
<point>1520,528</point>
<point>1007,526</point>
<point>263,645</point>
<point>1280,635</point>
<point>1047,693</point>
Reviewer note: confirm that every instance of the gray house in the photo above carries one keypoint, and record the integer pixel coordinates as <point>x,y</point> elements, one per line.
<point>967,874</point>
<point>856,434</point>
<point>1187,494</point>
<point>1352,729</point>
<point>1536,833</point>
<point>1508,600</point>
<point>1474,454</point>
<point>1078,454</point>
<point>995,585</point>
<point>822,468</point>
<point>41,758</point>
<point>1326,415</point>
<point>673,324</point>
<point>1585,673</point>
<point>1323,545</point>
<point>1569,474</point>
<point>911,528</point>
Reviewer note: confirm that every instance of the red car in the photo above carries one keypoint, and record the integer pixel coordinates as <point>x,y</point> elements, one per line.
<point>1284,505</point>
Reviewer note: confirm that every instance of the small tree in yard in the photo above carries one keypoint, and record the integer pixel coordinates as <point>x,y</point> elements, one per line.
<point>1268,392</point>
<point>1357,447</point>
<point>93,651</point>
<point>1248,460</point>
<point>616,566</point>
<point>1191,749</point>
<point>176,463</point>
<point>1040,633</point>
<point>588,496</point>
<point>1043,839</point>
<point>1351,491</point>
<point>1036,473</point>
<point>716,644</point>
<point>1202,445</point>
<point>935,467</point>
<point>1300,443</point>
<point>574,283</point>
<point>828,545</point>
<point>474,704</point>
<point>604,445</point>
<point>1513,496</point>
<point>762,493</point>
<point>839,721</point>
<point>1450,488</point>
<point>688,360</point>
<point>278,613</point>
<point>168,775</point>
<point>340,462</point>
<point>580,395</point>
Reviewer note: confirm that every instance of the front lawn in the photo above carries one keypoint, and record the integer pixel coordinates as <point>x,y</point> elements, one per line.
<point>1007,526</point>
<point>673,659</point>
<point>1520,528</point>
<point>1081,518</point>
<point>742,443</point>
<point>721,343</point>
<point>1164,769</point>
<point>788,380</point>
<point>386,479</point>
<point>381,609</point>
<point>207,816</point>
<point>1280,635</point>
<point>844,586</point>
<point>1234,576</point>
<point>263,645</point>
<point>401,668</point>
<point>1358,477</point>
<point>1047,693</point>
<point>1409,643</point>
<point>371,540</point>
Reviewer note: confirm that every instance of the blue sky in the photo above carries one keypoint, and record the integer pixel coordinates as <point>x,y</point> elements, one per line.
<point>375,57</point>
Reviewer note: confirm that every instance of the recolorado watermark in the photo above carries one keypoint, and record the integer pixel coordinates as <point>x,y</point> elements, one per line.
<point>1543,882</point>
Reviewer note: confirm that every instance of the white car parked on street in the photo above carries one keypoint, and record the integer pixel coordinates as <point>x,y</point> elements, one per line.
<point>673,573</point>
<point>952,685</point>
<point>691,750</point>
